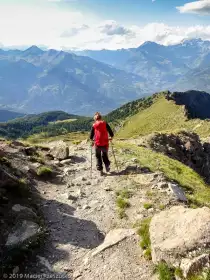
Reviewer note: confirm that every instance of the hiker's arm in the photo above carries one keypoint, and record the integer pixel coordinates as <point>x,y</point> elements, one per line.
<point>92,133</point>
<point>109,130</point>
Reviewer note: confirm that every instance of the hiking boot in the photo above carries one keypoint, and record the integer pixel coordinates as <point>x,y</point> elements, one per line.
<point>101,173</point>
<point>107,168</point>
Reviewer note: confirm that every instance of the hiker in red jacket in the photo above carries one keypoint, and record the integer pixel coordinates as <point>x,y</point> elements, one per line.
<point>99,133</point>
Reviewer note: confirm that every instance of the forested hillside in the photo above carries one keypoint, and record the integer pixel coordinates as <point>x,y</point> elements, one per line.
<point>161,112</point>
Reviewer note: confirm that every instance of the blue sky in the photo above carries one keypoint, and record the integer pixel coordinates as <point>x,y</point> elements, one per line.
<point>97,24</point>
<point>140,11</point>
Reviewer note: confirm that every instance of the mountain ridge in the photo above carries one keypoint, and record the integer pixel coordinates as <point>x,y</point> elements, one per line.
<point>161,65</point>
<point>39,81</point>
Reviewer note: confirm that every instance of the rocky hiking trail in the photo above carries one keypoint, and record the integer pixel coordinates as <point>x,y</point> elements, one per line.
<point>87,239</point>
<point>90,234</point>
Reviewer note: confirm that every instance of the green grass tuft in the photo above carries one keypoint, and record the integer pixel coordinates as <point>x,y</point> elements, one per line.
<point>38,159</point>
<point>148,254</point>
<point>150,193</point>
<point>121,213</point>
<point>124,193</point>
<point>147,205</point>
<point>143,231</point>
<point>5,161</point>
<point>44,171</point>
<point>23,181</point>
<point>122,203</point>
<point>178,272</point>
<point>165,272</point>
<point>162,207</point>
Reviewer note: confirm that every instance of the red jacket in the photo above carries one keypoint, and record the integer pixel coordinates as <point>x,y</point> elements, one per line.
<point>101,136</point>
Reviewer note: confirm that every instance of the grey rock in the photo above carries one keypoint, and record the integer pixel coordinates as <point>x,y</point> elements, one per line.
<point>7,178</point>
<point>162,185</point>
<point>107,188</point>
<point>177,193</point>
<point>86,207</point>
<point>132,169</point>
<point>60,151</point>
<point>74,195</point>
<point>35,165</point>
<point>19,208</point>
<point>23,233</point>
<point>29,151</point>
<point>191,267</point>
<point>66,162</point>
<point>177,231</point>
<point>113,238</point>
<point>16,143</point>
<point>16,270</point>
<point>67,170</point>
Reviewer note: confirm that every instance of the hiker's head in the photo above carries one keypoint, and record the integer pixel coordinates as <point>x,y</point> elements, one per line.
<point>97,116</point>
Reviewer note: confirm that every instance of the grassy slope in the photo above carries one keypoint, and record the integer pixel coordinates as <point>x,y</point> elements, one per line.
<point>162,116</point>
<point>63,121</point>
<point>42,138</point>
<point>199,192</point>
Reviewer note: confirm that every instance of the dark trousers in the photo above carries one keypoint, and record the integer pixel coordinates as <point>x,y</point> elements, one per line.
<point>101,156</point>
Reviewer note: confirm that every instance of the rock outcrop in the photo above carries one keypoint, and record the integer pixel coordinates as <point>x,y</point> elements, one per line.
<point>185,147</point>
<point>180,233</point>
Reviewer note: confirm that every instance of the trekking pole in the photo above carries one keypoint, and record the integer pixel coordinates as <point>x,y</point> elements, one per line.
<point>114,157</point>
<point>91,159</point>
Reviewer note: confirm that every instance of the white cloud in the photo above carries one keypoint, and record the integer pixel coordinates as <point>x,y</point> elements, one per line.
<point>198,7</point>
<point>51,26</point>
<point>111,27</point>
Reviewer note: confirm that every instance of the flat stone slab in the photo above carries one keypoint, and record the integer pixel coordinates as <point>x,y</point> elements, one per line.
<point>113,238</point>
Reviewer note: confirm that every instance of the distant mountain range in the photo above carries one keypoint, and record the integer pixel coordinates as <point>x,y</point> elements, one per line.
<point>166,67</point>
<point>6,115</point>
<point>81,83</point>
<point>36,81</point>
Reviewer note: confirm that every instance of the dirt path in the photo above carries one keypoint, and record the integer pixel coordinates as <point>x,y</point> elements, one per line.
<point>80,212</point>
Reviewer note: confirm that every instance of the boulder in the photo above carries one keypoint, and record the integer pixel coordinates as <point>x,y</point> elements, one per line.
<point>176,232</point>
<point>7,178</point>
<point>177,193</point>
<point>60,151</point>
<point>23,234</point>
<point>24,212</point>
<point>191,267</point>
<point>16,143</point>
<point>30,151</point>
